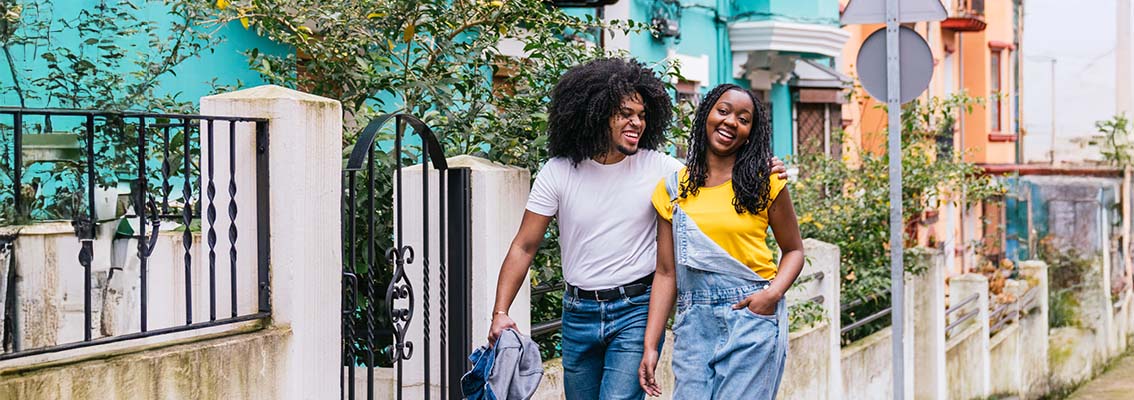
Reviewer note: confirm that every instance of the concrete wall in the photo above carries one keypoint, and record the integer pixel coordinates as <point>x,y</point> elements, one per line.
<point>1004,356</point>
<point>226,366</point>
<point>1034,333</point>
<point>49,284</point>
<point>866,368</point>
<point>967,349</point>
<point>963,352</point>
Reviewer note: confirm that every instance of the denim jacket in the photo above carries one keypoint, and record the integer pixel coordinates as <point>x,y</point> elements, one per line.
<point>510,370</point>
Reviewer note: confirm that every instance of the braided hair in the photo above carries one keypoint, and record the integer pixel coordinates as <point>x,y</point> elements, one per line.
<point>751,171</point>
<point>588,95</point>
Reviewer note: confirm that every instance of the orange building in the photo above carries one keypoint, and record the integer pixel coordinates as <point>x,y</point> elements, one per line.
<point>975,51</point>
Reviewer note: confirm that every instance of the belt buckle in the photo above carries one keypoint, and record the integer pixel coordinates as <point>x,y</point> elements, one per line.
<point>597,297</point>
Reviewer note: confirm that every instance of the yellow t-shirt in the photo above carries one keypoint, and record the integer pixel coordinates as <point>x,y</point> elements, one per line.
<point>743,236</point>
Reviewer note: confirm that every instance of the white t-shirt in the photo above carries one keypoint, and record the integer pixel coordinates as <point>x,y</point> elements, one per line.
<point>607,225</point>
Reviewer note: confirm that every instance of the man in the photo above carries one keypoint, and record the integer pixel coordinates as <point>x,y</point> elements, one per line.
<point>606,119</point>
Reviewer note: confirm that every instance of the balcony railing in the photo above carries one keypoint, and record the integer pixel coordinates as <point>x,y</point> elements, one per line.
<point>966,16</point>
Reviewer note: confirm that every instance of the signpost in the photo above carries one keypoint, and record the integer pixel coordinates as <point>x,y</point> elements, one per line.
<point>909,67</point>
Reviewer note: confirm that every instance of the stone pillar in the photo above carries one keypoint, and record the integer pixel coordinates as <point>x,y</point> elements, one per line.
<point>305,164</point>
<point>928,309</point>
<point>1034,333</point>
<point>960,288</point>
<point>818,364</point>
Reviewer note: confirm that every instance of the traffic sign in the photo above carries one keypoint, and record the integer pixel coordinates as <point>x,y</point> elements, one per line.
<point>874,11</point>
<point>916,62</point>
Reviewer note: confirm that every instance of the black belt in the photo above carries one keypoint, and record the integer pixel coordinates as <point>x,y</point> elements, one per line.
<point>631,289</point>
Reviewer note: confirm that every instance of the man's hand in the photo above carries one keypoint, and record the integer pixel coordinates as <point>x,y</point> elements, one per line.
<point>778,168</point>
<point>762,303</point>
<point>646,372</point>
<point>500,322</point>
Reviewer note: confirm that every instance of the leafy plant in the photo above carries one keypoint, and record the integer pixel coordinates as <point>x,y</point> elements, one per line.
<point>477,72</point>
<point>1067,270</point>
<point>848,205</point>
<point>1114,141</point>
<point>107,57</point>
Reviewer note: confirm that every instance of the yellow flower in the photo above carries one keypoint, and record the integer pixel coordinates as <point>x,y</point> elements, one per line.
<point>496,3</point>
<point>806,218</point>
<point>223,4</point>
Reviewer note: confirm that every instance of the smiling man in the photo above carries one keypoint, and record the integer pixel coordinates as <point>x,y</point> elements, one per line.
<point>606,120</point>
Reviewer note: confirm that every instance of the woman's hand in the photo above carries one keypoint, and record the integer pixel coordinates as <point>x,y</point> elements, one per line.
<point>762,302</point>
<point>646,372</point>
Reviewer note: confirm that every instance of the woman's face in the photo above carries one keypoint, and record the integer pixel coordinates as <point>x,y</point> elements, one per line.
<point>729,123</point>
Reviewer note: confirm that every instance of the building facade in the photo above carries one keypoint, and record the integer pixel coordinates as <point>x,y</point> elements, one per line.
<point>785,51</point>
<point>976,52</point>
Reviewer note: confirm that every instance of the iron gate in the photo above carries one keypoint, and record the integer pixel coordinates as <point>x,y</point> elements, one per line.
<point>379,300</point>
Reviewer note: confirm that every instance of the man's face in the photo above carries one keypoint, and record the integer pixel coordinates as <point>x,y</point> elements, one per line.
<point>627,124</point>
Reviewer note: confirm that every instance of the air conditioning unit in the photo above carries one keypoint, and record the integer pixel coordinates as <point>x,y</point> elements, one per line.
<point>665,27</point>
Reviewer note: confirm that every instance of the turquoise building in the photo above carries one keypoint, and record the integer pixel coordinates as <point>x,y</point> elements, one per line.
<point>47,31</point>
<point>783,50</point>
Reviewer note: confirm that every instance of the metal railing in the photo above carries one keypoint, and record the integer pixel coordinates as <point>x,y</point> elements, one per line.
<point>542,328</point>
<point>954,308</point>
<point>1001,316</point>
<point>969,7</point>
<point>161,155</point>
<point>845,308</point>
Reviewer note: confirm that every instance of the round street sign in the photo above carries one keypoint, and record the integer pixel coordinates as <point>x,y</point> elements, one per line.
<point>915,57</point>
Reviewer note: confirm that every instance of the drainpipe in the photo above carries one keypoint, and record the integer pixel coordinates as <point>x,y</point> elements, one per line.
<point>1123,105</point>
<point>1123,70</point>
<point>1018,32</point>
<point>724,48</point>
<point>961,147</point>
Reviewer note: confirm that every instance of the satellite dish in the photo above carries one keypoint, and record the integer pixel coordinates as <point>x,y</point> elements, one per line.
<point>916,63</point>
<point>874,11</point>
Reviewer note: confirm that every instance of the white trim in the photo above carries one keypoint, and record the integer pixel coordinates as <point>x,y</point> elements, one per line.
<point>615,38</point>
<point>786,36</point>
<point>694,68</point>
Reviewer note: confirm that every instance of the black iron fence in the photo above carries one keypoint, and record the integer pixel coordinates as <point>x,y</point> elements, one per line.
<point>54,160</point>
<point>378,296</point>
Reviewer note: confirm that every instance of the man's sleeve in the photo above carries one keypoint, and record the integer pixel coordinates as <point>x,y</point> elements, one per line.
<point>544,198</point>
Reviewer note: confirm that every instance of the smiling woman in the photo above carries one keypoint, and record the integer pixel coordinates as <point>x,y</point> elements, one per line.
<point>723,276</point>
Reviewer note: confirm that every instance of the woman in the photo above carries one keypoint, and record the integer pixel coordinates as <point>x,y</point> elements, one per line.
<point>713,258</point>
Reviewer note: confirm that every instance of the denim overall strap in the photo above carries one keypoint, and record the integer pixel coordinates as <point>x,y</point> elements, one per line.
<point>694,249</point>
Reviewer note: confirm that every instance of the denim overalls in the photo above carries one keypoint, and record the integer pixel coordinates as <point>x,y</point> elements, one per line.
<point>719,352</point>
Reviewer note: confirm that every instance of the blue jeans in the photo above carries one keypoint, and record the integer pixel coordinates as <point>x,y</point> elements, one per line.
<point>722,353</point>
<point>602,347</point>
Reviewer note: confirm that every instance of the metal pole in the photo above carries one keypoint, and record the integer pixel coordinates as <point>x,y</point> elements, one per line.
<point>1052,159</point>
<point>894,128</point>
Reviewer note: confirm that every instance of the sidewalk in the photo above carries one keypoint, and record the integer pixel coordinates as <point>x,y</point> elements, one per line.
<point>1117,383</point>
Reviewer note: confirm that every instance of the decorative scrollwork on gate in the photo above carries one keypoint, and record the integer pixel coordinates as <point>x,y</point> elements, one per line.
<point>400,288</point>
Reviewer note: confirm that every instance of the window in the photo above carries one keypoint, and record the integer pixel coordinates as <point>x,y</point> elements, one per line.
<point>994,105</point>
<point>687,92</point>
